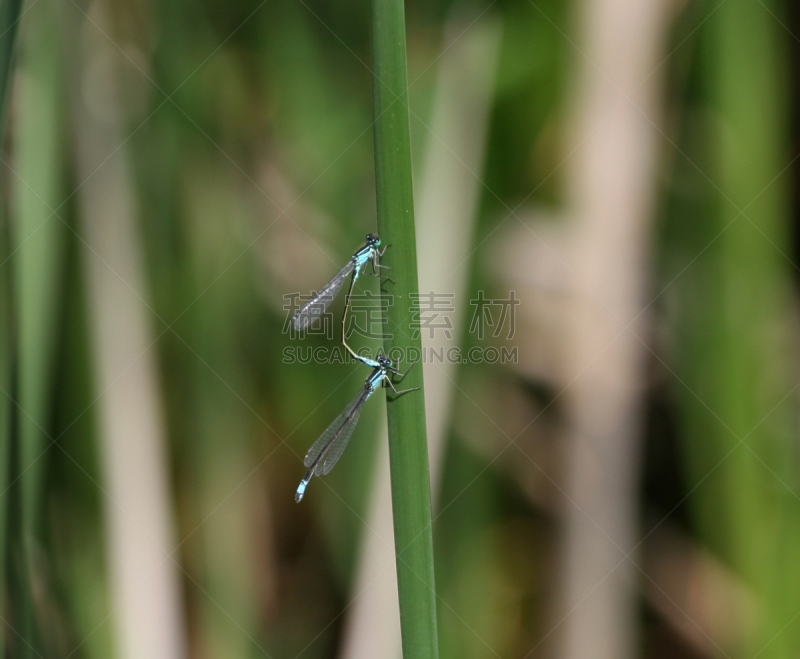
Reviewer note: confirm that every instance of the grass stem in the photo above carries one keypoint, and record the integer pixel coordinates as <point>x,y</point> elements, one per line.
<point>408,448</point>
<point>9,20</point>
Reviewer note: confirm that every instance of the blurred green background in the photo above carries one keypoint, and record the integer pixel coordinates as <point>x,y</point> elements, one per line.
<point>624,484</point>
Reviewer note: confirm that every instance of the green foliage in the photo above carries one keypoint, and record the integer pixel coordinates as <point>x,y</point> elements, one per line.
<point>408,446</point>
<point>729,227</point>
<point>252,161</point>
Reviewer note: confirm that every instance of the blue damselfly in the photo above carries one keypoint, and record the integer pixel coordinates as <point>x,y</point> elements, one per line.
<point>327,450</point>
<point>318,304</point>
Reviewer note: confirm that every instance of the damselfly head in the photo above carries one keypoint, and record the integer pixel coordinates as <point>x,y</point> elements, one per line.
<point>373,240</point>
<point>384,361</point>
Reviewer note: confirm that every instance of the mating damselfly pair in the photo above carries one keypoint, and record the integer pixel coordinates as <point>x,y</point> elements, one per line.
<point>326,451</point>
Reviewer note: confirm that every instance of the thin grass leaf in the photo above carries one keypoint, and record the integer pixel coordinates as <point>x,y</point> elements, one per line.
<point>9,19</point>
<point>408,448</point>
<point>730,213</point>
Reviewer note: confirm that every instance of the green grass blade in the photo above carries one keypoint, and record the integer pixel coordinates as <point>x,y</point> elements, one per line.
<point>731,224</point>
<point>39,240</point>
<point>9,19</point>
<point>408,448</point>
<point>748,88</point>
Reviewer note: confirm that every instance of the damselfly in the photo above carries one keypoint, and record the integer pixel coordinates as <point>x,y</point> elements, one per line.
<point>316,306</point>
<point>327,450</point>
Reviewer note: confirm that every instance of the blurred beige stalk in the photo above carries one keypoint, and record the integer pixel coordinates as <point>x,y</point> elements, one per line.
<point>446,215</point>
<point>611,186</point>
<point>700,597</point>
<point>147,611</point>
